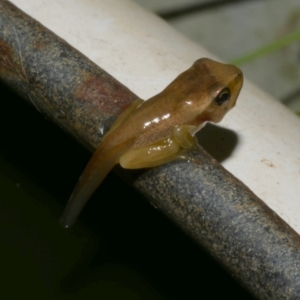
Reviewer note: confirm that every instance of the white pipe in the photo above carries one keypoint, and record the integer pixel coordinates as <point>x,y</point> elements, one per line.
<point>145,53</point>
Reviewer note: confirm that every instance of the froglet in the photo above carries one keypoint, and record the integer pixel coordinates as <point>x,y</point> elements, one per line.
<point>153,132</point>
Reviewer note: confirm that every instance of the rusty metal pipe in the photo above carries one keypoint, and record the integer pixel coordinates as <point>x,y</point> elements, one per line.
<point>59,81</point>
<point>205,200</point>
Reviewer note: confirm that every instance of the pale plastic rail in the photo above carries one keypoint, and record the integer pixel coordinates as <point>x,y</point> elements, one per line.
<point>145,53</point>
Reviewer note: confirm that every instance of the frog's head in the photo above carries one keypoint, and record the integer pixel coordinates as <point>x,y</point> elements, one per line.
<point>207,90</point>
<point>222,83</point>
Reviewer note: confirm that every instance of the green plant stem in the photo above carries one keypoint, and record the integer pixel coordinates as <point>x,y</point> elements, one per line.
<point>271,47</point>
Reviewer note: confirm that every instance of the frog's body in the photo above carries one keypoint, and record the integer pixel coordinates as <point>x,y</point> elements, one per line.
<point>153,132</point>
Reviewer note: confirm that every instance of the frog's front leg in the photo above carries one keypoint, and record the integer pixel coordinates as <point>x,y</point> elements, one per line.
<point>182,134</point>
<point>160,152</point>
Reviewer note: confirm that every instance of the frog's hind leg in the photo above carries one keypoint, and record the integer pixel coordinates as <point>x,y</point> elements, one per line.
<point>96,170</point>
<point>162,151</point>
<point>151,156</point>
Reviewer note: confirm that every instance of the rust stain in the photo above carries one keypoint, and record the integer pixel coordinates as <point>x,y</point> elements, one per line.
<point>39,45</point>
<point>105,94</point>
<point>268,163</point>
<point>5,54</point>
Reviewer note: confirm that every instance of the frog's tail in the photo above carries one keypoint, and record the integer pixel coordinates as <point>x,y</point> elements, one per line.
<point>94,173</point>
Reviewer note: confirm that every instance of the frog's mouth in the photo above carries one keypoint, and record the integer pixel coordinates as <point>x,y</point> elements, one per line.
<point>194,130</point>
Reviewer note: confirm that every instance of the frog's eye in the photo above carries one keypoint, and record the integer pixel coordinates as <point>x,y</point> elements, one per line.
<point>223,96</point>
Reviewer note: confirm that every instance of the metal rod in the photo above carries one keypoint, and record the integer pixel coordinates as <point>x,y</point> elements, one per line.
<point>206,201</point>
<point>59,81</point>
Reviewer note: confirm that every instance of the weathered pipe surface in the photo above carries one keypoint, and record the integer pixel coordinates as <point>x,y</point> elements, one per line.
<point>205,200</point>
<point>58,80</point>
<point>255,245</point>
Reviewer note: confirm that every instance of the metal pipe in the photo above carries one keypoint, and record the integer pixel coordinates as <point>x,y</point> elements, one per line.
<point>59,81</point>
<point>205,200</point>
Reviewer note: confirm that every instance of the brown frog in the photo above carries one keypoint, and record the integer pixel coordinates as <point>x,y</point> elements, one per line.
<point>153,132</point>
